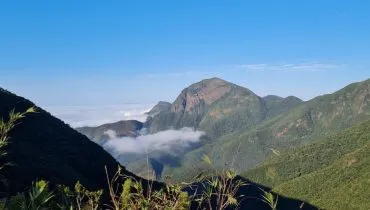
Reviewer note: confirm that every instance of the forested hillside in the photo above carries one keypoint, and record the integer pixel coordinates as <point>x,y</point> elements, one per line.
<point>332,173</point>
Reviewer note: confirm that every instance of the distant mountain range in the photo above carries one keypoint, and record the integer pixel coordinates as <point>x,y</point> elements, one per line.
<point>242,128</point>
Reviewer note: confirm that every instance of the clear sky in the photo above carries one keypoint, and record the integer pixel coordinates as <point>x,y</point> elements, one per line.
<point>98,53</point>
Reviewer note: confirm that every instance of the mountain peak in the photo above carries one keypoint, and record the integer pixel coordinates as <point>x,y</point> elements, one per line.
<point>207,91</point>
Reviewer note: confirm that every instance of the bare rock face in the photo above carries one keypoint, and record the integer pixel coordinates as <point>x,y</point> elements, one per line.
<point>208,91</point>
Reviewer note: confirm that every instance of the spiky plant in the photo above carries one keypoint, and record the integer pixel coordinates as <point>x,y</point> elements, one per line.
<point>131,195</point>
<point>38,198</point>
<point>219,191</point>
<point>7,126</point>
<point>270,199</point>
<point>39,195</point>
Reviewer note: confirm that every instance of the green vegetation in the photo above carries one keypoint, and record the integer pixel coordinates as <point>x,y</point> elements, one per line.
<point>38,197</point>
<point>332,173</point>
<point>219,193</point>
<point>133,195</point>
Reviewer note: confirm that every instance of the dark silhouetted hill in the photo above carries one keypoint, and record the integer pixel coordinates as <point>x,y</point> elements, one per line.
<point>43,147</point>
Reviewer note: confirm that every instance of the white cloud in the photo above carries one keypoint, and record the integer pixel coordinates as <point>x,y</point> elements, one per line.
<point>78,116</point>
<point>165,141</point>
<point>289,67</point>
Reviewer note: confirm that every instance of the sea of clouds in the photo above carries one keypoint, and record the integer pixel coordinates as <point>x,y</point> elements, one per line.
<point>78,116</point>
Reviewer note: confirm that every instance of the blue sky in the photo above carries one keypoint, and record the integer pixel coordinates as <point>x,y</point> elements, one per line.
<point>98,53</point>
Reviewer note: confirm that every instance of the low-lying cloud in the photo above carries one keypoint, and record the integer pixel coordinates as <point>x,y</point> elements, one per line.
<point>164,141</point>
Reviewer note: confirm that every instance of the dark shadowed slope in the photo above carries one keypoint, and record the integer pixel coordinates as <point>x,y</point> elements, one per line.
<point>43,147</point>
